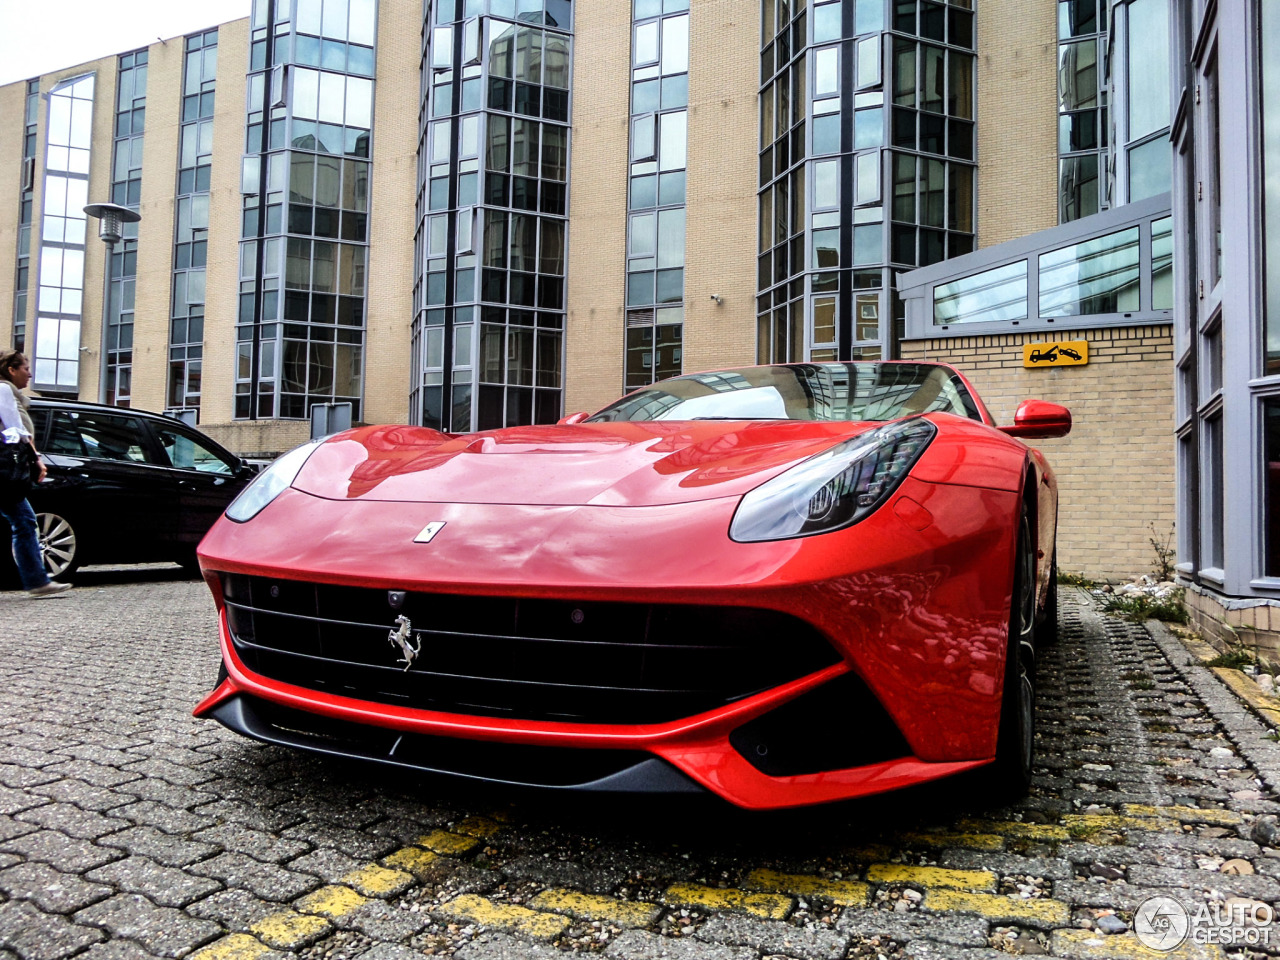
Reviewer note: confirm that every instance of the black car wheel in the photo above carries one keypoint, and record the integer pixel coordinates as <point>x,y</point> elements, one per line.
<point>1047,632</point>
<point>59,547</point>
<point>1010,775</point>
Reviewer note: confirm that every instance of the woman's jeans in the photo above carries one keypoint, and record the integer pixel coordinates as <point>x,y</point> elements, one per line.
<point>26,544</point>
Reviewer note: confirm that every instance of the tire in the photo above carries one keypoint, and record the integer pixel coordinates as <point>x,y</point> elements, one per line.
<point>60,547</point>
<point>1047,631</point>
<point>1009,777</point>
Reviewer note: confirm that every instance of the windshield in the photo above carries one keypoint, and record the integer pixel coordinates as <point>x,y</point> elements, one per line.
<point>802,391</point>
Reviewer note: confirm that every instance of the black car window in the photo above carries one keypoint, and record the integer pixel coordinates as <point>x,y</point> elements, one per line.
<point>99,436</point>
<point>188,453</point>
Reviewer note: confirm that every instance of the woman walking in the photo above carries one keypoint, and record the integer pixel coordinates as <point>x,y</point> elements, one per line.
<point>16,427</point>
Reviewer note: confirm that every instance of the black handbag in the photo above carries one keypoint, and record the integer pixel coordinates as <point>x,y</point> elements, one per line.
<point>19,471</point>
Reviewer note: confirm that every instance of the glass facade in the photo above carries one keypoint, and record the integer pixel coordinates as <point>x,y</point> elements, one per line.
<point>1083,123</point>
<point>191,236</point>
<point>489,299</point>
<point>305,181</point>
<point>1270,42</point>
<point>656,194</point>
<point>866,164</point>
<point>126,190</point>
<point>1143,158</point>
<point>60,299</point>
<point>26,204</point>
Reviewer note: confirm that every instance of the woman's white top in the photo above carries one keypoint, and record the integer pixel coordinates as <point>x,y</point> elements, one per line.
<point>10,418</point>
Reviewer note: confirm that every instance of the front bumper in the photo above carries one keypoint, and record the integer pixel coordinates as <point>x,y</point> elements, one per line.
<point>920,631</point>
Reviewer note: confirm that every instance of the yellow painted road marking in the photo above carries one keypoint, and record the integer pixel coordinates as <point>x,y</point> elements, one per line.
<point>844,893</point>
<point>1089,822</point>
<point>969,841</point>
<point>1222,818</point>
<point>1249,692</point>
<point>506,916</point>
<point>1088,945</point>
<point>481,827</point>
<point>994,907</point>
<point>238,946</point>
<point>415,860</point>
<point>448,844</point>
<point>585,906</point>
<point>1016,828</point>
<point>289,931</point>
<point>333,902</point>
<point>771,906</point>
<point>974,880</point>
<point>375,881</point>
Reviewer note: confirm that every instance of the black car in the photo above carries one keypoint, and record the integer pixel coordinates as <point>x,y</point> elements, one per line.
<point>124,486</point>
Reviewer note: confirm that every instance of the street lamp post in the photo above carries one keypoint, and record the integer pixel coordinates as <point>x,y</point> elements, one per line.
<point>111,220</point>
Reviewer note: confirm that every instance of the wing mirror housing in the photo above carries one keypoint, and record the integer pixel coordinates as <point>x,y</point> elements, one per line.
<point>573,418</point>
<point>1039,420</point>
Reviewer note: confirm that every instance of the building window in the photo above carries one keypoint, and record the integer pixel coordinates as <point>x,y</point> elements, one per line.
<point>1271,485</point>
<point>59,305</point>
<point>26,204</point>
<point>126,190</point>
<point>1082,110</point>
<point>1270,114</point>
<point>304,253</point>
<point>487,336</point>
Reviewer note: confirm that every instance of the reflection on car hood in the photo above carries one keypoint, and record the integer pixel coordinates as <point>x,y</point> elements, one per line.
<point>604,464</point>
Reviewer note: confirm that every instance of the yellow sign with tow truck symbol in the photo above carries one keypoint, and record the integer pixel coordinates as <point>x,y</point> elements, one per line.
<point>1068,353</point>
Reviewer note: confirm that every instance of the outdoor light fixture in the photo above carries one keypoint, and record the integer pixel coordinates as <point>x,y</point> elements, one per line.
<point>111,219</point>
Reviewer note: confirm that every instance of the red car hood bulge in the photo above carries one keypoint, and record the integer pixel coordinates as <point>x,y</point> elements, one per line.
<point>627,464</point>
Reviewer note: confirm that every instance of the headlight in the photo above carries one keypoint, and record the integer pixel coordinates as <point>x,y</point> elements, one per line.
<point>836,488</point>
<point>270,483</point>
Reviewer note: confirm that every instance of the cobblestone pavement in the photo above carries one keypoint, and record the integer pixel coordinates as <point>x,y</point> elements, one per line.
<point>128,829</point>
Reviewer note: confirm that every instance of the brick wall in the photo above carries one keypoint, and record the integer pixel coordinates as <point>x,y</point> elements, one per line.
<point>13,125</point>
<point>1017,95</point>
<point>153,291</point>
<point>1255,626</point>
<point>392,193</point>
<point>598,202</point>
<point>1116,469</point>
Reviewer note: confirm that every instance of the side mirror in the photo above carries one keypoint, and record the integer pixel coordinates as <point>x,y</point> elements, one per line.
<point>572,418</point>
<point>247,469</point>
<point>1038,420</point>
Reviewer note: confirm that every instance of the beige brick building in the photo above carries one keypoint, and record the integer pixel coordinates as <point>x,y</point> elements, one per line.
<point>476,220</point>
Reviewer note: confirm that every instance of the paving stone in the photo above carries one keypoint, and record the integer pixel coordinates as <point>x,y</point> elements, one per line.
<point>329,865</point>
<point>10,828</point>
<point>171,795</point>
<point>771,936</point>
<point>382,922</point>
<point>641,945</point>
<point>235,909</point>
<point>88,771</point>
<point>268,881</point>
<point>499,946</point>
<point>84,795</point>
<point>248,815</point>
<point>1007,864</point>
<point>68,854</point>
<point>35,935</point>
<point>50,890</point>
<point>15,801</point>
<point>71,820</point>
<point>166,886</point>
<point>169,819</point>
<point>957,930</point>
<point>1251,886</point>
<point>393,951</point>
<point>362,846</point>
<point>928,950</point>
<point>161,930</point>
<point>254,843</point>
<point>159,846</point>
<point>115,950</point>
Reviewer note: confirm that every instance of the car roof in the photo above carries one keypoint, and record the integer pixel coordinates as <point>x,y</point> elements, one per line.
<point>150,415</point>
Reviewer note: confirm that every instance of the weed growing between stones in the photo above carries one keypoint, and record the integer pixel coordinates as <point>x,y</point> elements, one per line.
<point>1139,608</point>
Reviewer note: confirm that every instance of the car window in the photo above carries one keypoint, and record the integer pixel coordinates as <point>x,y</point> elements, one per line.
<point>98,436</point>
<point>802,391</point>
<point>188,453</point>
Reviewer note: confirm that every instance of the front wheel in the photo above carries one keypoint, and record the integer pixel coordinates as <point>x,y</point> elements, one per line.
<point>60,548</point>
<point>1010,774</point>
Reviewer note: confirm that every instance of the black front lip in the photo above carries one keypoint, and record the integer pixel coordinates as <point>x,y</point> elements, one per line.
<point>252,717</point>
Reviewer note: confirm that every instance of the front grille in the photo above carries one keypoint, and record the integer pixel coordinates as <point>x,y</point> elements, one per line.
<point>586,662</point>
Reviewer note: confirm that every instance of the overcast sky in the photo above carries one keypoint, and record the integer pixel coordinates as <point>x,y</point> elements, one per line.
<point>47,35</point>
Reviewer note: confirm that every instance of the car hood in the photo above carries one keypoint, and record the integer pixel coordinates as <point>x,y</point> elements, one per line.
<point>601,464</point>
